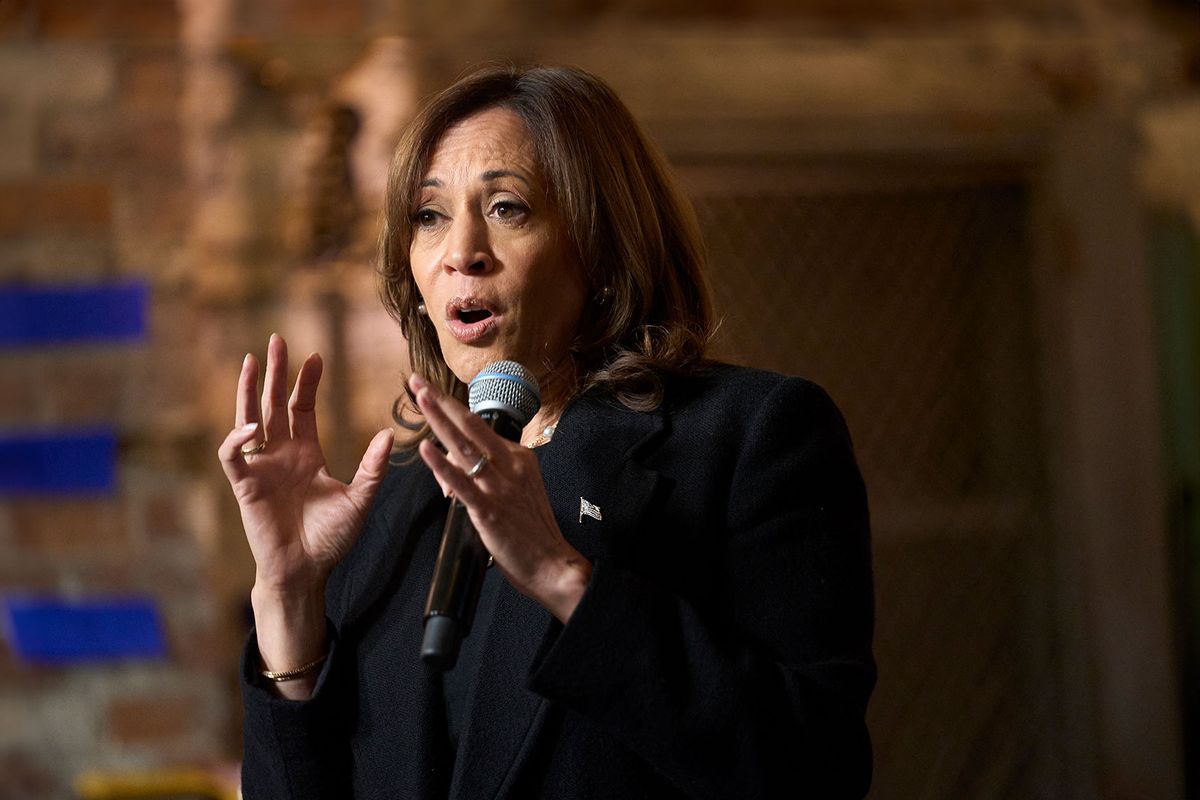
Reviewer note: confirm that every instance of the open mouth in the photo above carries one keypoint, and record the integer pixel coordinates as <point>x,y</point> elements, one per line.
<point>473,315</point>
<point>470,319</point>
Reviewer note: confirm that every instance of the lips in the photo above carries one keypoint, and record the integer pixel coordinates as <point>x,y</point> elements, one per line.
<point>470,318</point>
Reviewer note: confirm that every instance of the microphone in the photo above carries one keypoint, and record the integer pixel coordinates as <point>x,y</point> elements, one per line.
<point>506,396</point>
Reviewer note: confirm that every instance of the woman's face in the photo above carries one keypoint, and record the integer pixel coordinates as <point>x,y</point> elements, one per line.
<point>489,254</point>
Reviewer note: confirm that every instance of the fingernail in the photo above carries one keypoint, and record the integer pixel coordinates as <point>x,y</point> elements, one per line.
<point>416,382</point>
<point>249,426</point>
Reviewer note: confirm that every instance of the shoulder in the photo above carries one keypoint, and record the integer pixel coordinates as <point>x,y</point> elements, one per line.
<point>725,421</point>
<point>739,398</point>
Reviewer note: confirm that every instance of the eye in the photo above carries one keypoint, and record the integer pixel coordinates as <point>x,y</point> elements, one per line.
<point>425,218</point>
<point>509,211</point>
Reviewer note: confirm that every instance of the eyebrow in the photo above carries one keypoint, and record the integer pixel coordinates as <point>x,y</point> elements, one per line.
<point>490,175</point>
<point>493,174</point>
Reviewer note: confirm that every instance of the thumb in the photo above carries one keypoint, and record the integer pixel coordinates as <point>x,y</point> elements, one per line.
<point>373,466</point>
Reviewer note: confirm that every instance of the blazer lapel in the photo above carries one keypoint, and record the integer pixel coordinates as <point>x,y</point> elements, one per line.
<point>387,575</point>
<point>592,457</point>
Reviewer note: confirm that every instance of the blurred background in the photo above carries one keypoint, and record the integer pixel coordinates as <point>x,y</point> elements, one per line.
<point>974,222</point>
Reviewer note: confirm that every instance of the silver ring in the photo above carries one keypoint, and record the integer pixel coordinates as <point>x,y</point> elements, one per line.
<point>479,465</point>
<point>258,448</point>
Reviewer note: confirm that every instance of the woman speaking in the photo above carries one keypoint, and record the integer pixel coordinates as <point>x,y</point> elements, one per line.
<point>679,600</point>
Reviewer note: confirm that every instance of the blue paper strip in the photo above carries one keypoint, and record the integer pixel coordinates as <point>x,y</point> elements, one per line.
<point>78,462</point>
<point>32,315</point>
<point>56,631</point>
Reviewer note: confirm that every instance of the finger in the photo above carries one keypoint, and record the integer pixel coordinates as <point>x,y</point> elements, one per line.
<point>230,451</point>
<point>470,423</point>
<point>373,466</point>
<point>464,435</point>
<point>452,479</point>
<point>274,400</point>
<point>303,403</point>
<point>246,410</point>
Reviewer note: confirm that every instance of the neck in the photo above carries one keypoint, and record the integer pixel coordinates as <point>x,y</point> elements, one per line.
<point>556,386</point>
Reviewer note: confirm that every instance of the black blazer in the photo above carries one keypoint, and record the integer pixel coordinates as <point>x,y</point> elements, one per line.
<point>721,650</point>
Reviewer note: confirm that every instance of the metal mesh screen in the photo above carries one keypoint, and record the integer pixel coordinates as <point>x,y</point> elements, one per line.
<point>913,306</point>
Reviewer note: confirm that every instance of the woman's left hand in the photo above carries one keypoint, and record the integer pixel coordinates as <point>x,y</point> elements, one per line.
<point>506,500</point>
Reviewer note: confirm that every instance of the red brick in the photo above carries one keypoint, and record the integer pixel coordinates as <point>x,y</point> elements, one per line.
<point>161,515</point>
<point>77,141</point>
<point>8,662</point>
<point>72,19</point>
<point>150,82</point>
<point>144,19</point>
<point>77,206</point>
<point>203,648</point>
<point>20,388</point>
<point>153,142</point>
<point>24,774</point>
<point>85,386</point>
<point>141,145</point>
<point>17,18</point>
<point>318,18</point>
<point>56,256</point>
<point>102,19</point>
<point>23,677</point>
<point>56,527</point>
<point>151,719</point>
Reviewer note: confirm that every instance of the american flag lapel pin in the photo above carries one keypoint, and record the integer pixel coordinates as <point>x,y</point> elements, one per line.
<point>587,509</point>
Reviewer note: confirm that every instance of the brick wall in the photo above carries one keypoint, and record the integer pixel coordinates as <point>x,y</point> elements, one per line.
<point>178,143</point>
<point>192,144</point>
<point>92,188</point>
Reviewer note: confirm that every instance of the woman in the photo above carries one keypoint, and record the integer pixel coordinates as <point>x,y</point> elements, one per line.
<point>681,599</point>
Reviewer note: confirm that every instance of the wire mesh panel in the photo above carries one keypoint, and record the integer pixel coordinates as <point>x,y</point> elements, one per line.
<point>913,306</point>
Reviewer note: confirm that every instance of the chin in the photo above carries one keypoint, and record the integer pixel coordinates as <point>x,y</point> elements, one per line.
<point>466,366</point>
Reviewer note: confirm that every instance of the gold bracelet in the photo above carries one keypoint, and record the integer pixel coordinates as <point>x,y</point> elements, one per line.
<point>292,674</point>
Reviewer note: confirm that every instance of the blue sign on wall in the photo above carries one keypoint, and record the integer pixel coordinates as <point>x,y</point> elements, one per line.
<point>61,462</point>
<point>44,630</point>
<point>37,315</point>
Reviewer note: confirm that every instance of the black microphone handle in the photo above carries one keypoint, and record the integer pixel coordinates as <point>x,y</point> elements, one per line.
<point>459,572</point>
<point>454,593</point>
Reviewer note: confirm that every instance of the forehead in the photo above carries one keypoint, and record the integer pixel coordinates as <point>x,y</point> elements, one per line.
<point>487,140</point>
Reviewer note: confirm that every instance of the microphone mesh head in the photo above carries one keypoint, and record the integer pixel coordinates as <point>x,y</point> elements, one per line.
<point>507,387</point>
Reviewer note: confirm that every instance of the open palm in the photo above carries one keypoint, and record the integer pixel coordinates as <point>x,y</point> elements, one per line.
<point>299,520</point>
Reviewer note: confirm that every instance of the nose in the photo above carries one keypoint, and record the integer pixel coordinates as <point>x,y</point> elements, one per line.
<point>468,249</point>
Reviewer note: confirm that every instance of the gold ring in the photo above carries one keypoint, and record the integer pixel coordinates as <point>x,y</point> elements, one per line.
<point>258,448</point>
<point>479,465</point>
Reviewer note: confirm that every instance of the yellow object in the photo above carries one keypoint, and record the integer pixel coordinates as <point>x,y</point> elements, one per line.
<point>174,784</point>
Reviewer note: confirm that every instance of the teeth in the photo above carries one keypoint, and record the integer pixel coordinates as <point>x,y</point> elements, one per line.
<point>472,314</point>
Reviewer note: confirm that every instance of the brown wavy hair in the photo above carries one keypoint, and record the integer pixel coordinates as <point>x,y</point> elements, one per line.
<point>637,238</point>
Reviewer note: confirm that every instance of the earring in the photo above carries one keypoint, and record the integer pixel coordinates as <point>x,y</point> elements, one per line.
<point>604,296</point>
<point>421,309</point>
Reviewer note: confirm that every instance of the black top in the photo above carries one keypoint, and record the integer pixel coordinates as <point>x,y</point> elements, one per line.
<point>458,682</point>
<point>721,649</point>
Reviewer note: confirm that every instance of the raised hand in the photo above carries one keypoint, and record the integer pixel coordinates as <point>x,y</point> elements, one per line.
<point>299,520</point>
<point>506,499</point>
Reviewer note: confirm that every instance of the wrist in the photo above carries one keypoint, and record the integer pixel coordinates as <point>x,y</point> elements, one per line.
<point>289,583</point>
<point>290,627</point>
<point>566,588</point>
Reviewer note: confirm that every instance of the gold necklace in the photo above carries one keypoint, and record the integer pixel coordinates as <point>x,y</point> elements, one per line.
<point>542,438</point>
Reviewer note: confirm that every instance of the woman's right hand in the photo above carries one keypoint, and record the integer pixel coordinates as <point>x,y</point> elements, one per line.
<point>299,520</point>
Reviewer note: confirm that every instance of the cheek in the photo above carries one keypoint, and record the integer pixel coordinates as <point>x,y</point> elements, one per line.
<point>418,268</point>
<point>567,298</point>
